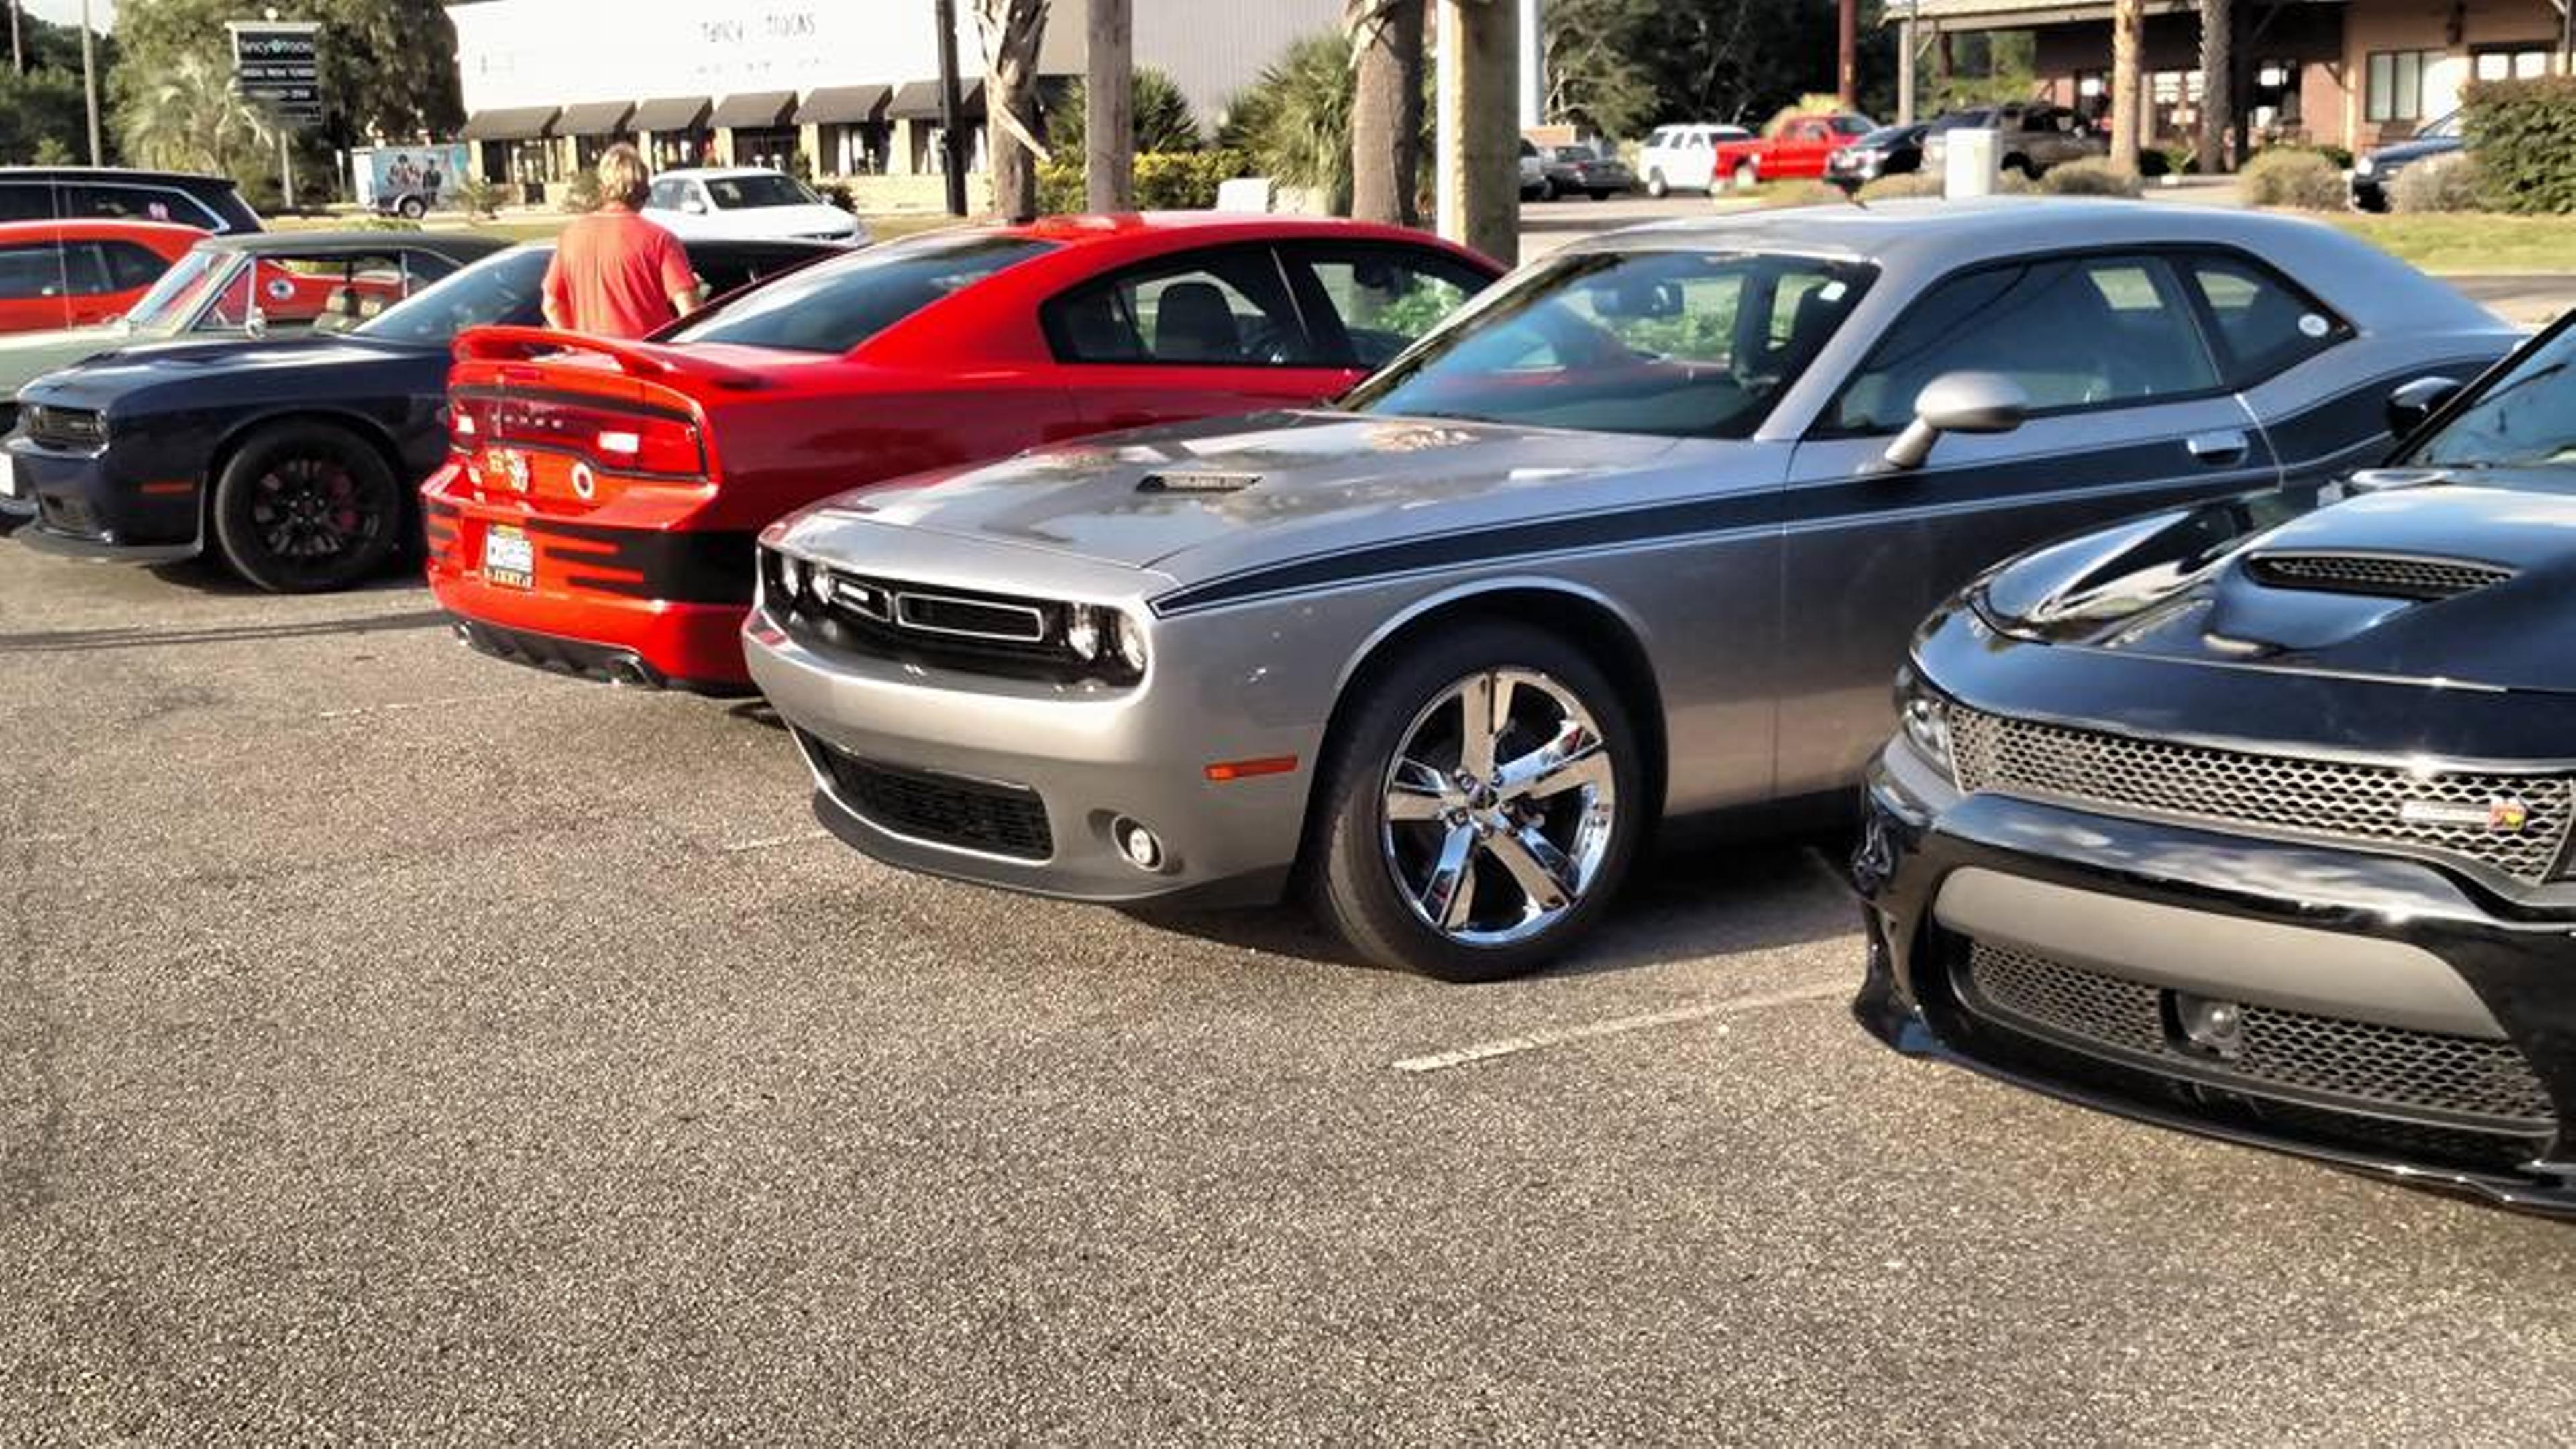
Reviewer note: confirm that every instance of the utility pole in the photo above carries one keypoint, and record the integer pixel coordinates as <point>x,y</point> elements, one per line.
<point>1109,106</point>
<point>89,86</point>
<point>2128,26</point>
<point>17,46</point>
<point>951,134</point>
<point>1847,66</point>
<point>1907,46</point>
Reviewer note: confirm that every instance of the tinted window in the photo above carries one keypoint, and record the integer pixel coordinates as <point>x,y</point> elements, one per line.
<point>2264,324</point>
<point>667,195</point>
<point>498,290</point>
<point>1228,308</point>
<point>135,203</point>
<point>735,193</point>
<point>1852,125</point>
<point>727,268</point>
<point>1676,344</point>
<point>2074,332</point>
<point>129,267</point>
<point>2525,418</point>
<point>840,304</point>
<point>321,294</point>
<point>1383,297</point>
<point>28,272</point>
<point>85,270</point>
<point>26,201</point>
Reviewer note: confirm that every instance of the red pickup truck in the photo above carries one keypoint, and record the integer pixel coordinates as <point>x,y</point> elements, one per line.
<point>1796,147</point>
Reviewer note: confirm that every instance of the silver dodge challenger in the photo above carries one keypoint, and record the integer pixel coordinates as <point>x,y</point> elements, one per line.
<point>1638,534</point>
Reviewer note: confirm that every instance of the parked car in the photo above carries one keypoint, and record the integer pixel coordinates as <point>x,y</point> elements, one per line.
<point>1640,535</point>
<point>1584,171</point>
<point>1533,172</point>
<point>599,512</point>
<point>1797,147</point>
<point>58,274</point>
<point>117,193</point>
<point>2030,137</point>
<point>2252,818</point>
<point>266,284</point>
<point>1887,151</point>
<point>1684,158</point>
<point>295,460</point>
<point>747,202</point>
<point>2373,171</point>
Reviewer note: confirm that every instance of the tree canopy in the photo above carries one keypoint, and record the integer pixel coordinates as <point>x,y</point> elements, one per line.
<point>388,66</point>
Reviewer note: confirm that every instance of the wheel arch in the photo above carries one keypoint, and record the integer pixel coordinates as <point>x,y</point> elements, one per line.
<point>237,436</point>
<point>1583,616</point>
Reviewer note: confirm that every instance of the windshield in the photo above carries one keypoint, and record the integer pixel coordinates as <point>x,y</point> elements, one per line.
<point>1854,125</point>
<point>1670,344</point>
<point>741,193</point>
<point>837,305</point>
<point>1888,137</point>
<point>500,289</point>
<point>176,297</point>
<point>2524,419</point>
<point>2444,129</point>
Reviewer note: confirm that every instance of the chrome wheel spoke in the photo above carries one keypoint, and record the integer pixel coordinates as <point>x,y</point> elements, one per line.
<point>1449,896</point>
<point>1571,758</point>
<point>1415,792</point>
<point>1484,707</point>
<point>1537,866</point>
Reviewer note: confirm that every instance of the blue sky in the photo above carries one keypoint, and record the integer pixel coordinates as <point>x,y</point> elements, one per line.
<point>102,13</point>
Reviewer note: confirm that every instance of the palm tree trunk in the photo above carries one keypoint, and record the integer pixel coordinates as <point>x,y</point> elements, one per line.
<point>2217,85</point>
<point>1386,109</point>
<point>2128,23</point>
<point>1479,126</point>
<point>1012,31</point>
<point>1109,106</point>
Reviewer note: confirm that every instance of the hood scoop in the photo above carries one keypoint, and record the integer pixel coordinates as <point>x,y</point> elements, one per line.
<point>2375,575</point>
<point>1178,480</point>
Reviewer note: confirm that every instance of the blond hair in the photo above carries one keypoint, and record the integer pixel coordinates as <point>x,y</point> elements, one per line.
<point>623,176</point>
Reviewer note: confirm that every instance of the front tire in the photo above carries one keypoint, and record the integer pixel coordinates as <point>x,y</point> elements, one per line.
<point>1656,186</point>
<point>307,508</point>
<point>1479,810</point>
<point>413,208</point>
<point>1747,175</point>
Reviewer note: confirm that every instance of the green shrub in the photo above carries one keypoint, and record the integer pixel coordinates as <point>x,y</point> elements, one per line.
<point>2291,176</point>
<point>1163,119</point>
<point>1165,181</point>
<point>2524,134</point>
<point>1911,183</point>
<point>478,197</point>
<point>2438,183</point>
<point>2093,176</point>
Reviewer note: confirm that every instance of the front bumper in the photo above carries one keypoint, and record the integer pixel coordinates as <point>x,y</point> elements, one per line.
<point>2375,946</point>
<point>85,505</point>
<point>1028,785</point>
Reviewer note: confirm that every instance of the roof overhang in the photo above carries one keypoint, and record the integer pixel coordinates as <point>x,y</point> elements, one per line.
<point>672,113</point>
<point>843,105</point>
<point>756,109</point>
<point>518,123</point>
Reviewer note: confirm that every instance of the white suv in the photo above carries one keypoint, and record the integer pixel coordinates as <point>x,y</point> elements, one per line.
<point>746,203</point>
<point>1682,158</point>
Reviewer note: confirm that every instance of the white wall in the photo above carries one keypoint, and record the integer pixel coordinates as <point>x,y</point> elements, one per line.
<point>1215,48</point>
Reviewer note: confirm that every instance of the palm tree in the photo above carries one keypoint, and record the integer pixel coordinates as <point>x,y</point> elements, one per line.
<point>189,118</point>
<point>1386,108</point>
<point>1295,120</point>
<point>2217,85</point>
<point>1109,99</point>
<point>1012,30</point>
<point>2128,26</point>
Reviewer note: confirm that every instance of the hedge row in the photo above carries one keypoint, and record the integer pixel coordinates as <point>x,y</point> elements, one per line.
<point>1165,181</point>
<point>2524,135</point>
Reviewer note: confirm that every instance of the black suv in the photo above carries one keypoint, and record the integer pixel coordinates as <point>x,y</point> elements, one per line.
<point>78,193</point>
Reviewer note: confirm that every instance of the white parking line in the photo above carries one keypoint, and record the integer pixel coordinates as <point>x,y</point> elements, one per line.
<point>1558,1036</point>
<point>774,841</point>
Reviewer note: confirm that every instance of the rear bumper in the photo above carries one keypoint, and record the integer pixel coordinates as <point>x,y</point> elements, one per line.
<point>660,607</point>
<point>2371,945</point>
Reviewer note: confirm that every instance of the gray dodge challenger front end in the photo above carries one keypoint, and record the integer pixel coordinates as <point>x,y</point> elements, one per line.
<point>1640,533</point>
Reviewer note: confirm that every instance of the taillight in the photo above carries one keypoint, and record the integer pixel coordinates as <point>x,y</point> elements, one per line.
<point>612,438</point>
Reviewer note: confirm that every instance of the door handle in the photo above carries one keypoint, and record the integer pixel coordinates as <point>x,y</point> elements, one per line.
<point>2219,449</point>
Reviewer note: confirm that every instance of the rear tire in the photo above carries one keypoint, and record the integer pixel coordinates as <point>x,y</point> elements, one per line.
<point>1467,879</point>
<point>307,508</point>
<point>413,208</point>
<point>1656,186</point>
<point>1747,175</point>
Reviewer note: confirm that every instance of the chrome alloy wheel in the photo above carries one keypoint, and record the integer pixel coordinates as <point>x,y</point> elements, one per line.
<point>1499,806</point>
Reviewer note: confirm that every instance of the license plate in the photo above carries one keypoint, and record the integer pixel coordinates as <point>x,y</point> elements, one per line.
<point>509,560</point>
<point>9,484</point>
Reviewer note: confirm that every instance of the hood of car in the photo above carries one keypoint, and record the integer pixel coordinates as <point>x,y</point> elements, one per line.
<point>121,371</point>
<point>2399,574</point>
<point>2405,151</point>
<point>1205,498</point>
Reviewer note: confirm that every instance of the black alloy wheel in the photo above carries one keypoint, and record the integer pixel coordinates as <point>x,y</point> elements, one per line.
<point>306,508</point>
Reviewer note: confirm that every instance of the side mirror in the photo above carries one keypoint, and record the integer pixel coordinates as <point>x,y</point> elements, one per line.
<point>694,207</point>
<point>2415,401</point>
<point>255,324</point>
<point>1956,402</point>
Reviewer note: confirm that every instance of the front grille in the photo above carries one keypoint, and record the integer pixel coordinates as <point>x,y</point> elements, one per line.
<point>2393,576</point>
<point>969,630</point>
<point>70,430</point>
<point>2515,824</point>
<point>985,815</point>
<point>2326,1059</point>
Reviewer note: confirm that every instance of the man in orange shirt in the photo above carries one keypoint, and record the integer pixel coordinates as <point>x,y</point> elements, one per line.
<point>614,274</point>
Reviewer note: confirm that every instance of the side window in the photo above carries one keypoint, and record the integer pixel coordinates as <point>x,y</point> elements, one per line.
<point>1661,140</point>
<point>2075,332</point>
<point>2263,324</point>
<point>85,269</point>
<point>131,268</point>
<point>26,201</point>
<point>1224,309</point>
<point>30,272</point>
<point>665,196</point>
<point>1385,297</point>
<point>130,203</point>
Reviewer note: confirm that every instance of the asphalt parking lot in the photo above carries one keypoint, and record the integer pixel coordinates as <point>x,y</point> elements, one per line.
<point>394,1044</point>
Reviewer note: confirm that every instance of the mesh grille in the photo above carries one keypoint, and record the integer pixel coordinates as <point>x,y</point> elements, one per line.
<point>2364,1063</point>
<point>2385,575</point>
<point>2462,814</point>
<point>975,814</point>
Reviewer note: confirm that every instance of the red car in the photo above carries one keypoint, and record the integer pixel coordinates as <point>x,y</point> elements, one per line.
<point>57,274</point>
<point>1796,147</point>
<point>597,511</point>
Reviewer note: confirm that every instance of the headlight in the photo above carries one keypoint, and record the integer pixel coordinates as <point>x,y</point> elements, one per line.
<point>1925,722</point>
<point>1106,639</point>
<point>2364,167</point>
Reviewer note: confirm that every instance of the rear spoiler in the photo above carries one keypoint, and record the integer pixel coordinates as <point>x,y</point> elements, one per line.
<point>521,344</point>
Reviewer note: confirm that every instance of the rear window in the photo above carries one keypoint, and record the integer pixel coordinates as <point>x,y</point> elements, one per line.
<point>742,193</point>
<point>837,306</point>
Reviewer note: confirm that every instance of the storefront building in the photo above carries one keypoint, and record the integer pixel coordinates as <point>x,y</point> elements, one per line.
<point>827,88</point>
<point>2353,74</point>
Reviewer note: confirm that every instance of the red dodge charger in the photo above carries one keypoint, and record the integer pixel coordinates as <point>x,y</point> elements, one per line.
<point>597,511</point>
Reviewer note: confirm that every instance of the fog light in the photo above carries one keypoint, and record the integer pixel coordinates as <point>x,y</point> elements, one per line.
<point>2213,1026</point>
<point>1137,843</point>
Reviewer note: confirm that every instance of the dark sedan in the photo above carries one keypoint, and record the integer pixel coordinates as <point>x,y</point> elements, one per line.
<point>293,459</point>
<point>1887,151</point>
<point>2374,171</point>
<point>1583,171</point>
<point>2254,818</point>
